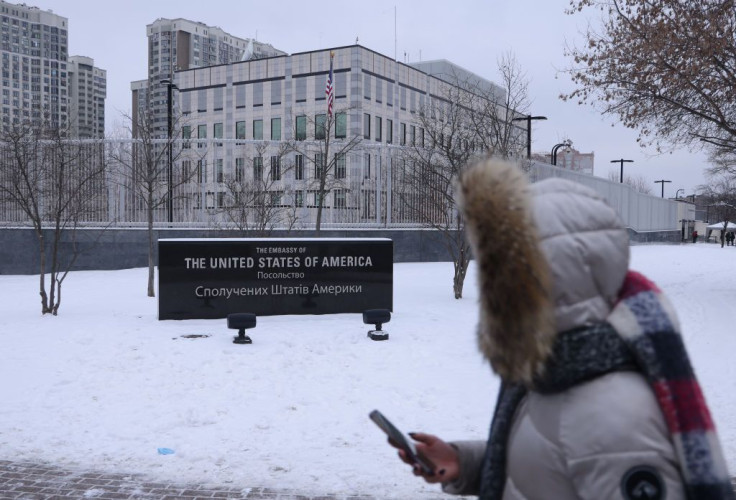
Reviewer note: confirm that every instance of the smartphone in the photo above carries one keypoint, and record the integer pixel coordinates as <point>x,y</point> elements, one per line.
<point>403,442</point>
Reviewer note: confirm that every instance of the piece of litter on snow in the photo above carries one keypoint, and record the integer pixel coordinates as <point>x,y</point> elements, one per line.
<point>165,451</point>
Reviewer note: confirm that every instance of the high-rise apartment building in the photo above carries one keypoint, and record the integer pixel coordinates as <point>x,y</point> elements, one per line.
<point>88,89</point>
<point>34,49</point>
<point>37,78</point>
<point>180,44</point>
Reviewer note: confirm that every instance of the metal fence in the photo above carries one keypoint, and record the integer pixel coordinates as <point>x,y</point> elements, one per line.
<point>368,187</point>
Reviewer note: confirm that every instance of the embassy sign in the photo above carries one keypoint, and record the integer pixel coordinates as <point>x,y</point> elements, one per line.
<point>211,278</point>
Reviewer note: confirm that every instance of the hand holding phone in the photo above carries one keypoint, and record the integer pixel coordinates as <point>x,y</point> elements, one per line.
<point>403,442</point>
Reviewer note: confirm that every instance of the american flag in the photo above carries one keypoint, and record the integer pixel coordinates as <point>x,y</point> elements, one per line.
<point>329,89</point>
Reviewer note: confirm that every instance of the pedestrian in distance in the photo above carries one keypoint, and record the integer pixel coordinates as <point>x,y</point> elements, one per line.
<point>598,399</point>
<point>695,236</point>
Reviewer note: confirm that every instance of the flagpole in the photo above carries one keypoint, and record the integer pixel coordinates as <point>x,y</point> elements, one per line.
<point>330,88</point>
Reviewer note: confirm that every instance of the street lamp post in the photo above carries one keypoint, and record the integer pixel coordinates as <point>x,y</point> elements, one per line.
<point>677,193</point>
<point>662,182</point>
<point>529,119</point>
<point>622,161</point>
<point>564,144</point>
<point>170,172</point>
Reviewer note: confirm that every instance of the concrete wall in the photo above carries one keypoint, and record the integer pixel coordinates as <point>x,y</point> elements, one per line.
<point>128,248</point>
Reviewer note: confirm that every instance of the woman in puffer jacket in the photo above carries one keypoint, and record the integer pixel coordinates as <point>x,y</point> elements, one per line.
<point>598,398</point>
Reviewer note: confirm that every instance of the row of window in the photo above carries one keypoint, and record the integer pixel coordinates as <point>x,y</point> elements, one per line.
<point>411,134</point>
<point>200,175</point>
<point>199,99</point>
<point>274,199</point>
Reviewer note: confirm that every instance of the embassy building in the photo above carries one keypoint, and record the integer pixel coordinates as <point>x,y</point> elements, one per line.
<point>265,121</point>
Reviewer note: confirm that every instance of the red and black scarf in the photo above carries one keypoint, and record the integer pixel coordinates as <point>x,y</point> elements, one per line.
<point>642,334</point>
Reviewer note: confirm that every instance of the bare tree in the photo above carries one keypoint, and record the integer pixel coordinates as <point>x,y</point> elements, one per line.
<point>492,109</point>
<point>254,203</point>
<point>56,184</point>
<point>665,68</point>
<point>327,152</point>
<point>470,119</point>
<point>142,168</point>
<point>639,183</point>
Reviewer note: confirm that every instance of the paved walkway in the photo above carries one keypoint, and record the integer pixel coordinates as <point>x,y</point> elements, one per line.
<point>31,481</point>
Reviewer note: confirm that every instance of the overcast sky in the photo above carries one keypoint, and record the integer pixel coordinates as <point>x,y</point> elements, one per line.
<point>470,33</point>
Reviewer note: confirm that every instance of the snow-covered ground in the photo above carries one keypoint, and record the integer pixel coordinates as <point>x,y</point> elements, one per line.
<point>105,384</point>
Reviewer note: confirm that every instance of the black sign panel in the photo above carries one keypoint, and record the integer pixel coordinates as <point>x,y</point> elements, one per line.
<point>211,278</point>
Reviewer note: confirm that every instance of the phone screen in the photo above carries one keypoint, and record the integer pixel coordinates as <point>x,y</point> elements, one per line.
<point>402,441</point>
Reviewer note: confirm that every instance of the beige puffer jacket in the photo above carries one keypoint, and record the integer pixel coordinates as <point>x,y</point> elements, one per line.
<point>583,442</point>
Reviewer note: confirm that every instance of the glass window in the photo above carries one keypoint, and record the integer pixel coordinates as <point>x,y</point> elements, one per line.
<point>379,128</point>
<point>275,129</point>
<point>319,165</point>
<point>217,132</point>
<point>319,126</point>
<point>413,135</point>
<point>340,166</point>
<point>300,89</point>
<point>258,130</point>
<point>239,169</point>
<point>367,166</point>
<point>202,171</point>
<point>275,198</point>
<point>366,126</point>
<point>186,134</point>
<point>367,86</point>
<point>275,168</point>
<point>240,130</point>
<point>201,134</point>
<point>258,168</point>
<point>239,96</point>
<point>219,171</point>
<point>257,94</point>
<point>402,134</point>
<point>301,128</point>
<point>217,100</point>
<point>339,196</point>
<point>389,131</point>
<point>298,198</point>
<point>341,125</point>
<point>275,92</point>
<point>341,85</point>
<point>299,167</point>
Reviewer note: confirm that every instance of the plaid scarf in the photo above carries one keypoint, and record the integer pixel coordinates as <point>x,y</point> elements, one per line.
<point>642,334</point>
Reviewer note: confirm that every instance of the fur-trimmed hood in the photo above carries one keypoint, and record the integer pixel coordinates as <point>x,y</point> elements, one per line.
<point>551,256</point>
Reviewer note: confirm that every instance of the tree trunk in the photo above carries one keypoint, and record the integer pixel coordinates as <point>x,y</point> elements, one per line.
<point>321,203</point>
<point>42,275</point>
<point>461,268</point>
